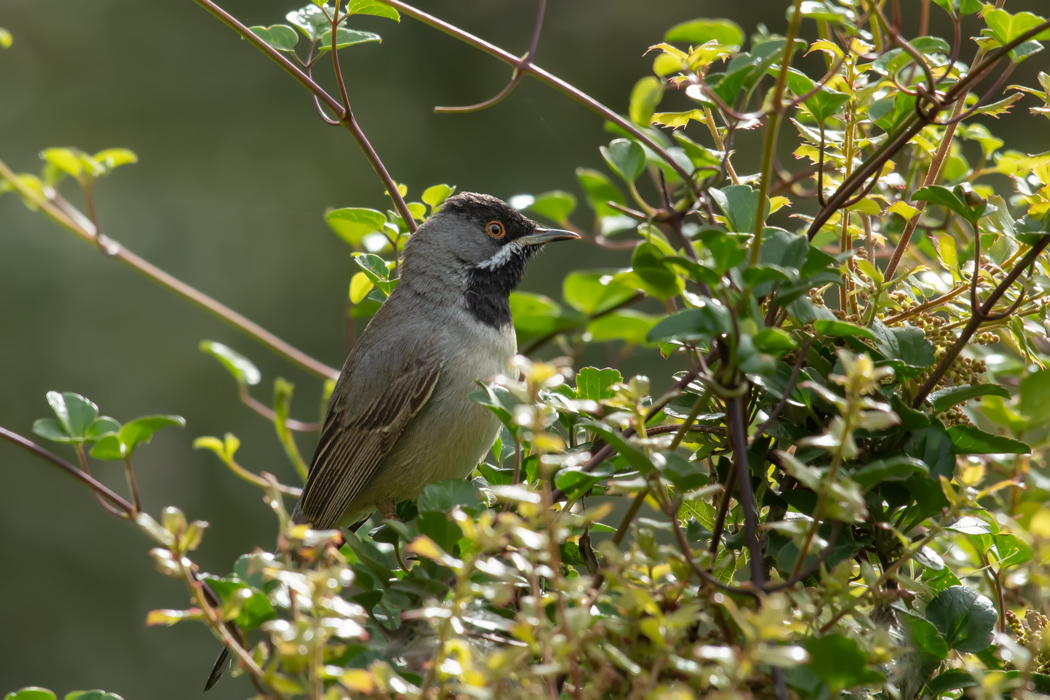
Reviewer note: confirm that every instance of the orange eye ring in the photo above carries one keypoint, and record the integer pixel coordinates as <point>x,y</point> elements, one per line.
<point>495,230</point>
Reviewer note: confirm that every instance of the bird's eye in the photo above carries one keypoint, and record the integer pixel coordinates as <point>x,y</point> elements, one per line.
<point>495,229</point>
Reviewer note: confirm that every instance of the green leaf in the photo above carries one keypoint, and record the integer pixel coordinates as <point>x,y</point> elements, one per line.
<point>925,637</point>
<point>841,329</point>
<point>236,364</point>
<point>774,341</point>
<point>593,383</point>
<point>593,291</point>
<point>536,315</point>
<point>75,416</point>
<point>310,20</point>
<point>1011,550</point>
<point>279,36</point>
<point>140,430</point>
<point>1035,396</point>
<point>969,440</point>
<point>826,103</point>
<point>838,660</point>
<point>249,607</point>
<point>933,446</point>
<point>112,158</point>
<point>893,469</point>
<point>372,7</point>
<point>701,31</point>
<point>906,344</point>
<point>634,455</point>
<point>600,190</point>
<point>953,678</point>
<point>109,447</point>
<point>739,203</point>
<point>5,43</point>
<point>31,694</point>
<point>346,37</point>
<point>964,617</point>
<point>645,96</point>
<point>952,199</point>
<point>654,273</point>
<point>626,158</point>
<point>960,7</point>
<point>970,525</point>
<point>376,269</point>
<point>354,224</point>
<point>1007,27</point>
<point>944,399</point>
<point>627,325</point>
<point>555,205</point>
<point>92,695</point>
<point>702,323</point>
<point>443,496</point>
<point>432,196</point>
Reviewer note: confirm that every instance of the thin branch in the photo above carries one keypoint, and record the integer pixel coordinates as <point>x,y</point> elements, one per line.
<point>515,77</point>
<point>345,115</point>
<point>266,412</point>
<point>97,486</point>
<point>788,390</point>
<point>979,316</point>
<point>776,112</point>
<point>738,436</point>
<point>537,72</point>
<point>85,230</point>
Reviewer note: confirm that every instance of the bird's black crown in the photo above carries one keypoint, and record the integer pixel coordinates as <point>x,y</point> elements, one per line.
<point>483,208</point>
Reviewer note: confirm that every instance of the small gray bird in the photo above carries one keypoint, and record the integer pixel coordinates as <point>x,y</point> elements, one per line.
<point>400,417</point>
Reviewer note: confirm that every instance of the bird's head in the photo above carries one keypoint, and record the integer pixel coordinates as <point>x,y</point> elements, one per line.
<point>479,241</point>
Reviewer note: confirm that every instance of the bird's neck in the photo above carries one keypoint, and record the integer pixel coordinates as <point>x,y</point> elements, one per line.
<point>489,288</point>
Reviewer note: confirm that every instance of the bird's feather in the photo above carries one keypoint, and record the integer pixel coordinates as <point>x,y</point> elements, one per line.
<point>353,446</point>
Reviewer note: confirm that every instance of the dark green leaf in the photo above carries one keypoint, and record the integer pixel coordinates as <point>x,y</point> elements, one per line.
<point>841,329</point>
<point>970,525</point>
<point>952,679</point>
<point>52,429</point>
<point>702,323</point>
<point>1035,396</point>
<point>838,660</point>
<point>443,496</point>
<point>739,203</point>
<point>969,440</point>
<point>952,396</point>
<point>906,344</point>
<point>631,327</point>
<point>654,273</point>
<point>310,20</point>
<point>236,364</point>
<point>892,469</point>
<point>774,341</point>
<point>933,446</point>
<point>936,194</point>
<point>925,637</point>
<point>626,158</point>
<point>964,617</point>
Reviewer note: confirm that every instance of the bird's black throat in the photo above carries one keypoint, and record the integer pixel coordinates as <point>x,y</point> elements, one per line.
<point>489,288</point>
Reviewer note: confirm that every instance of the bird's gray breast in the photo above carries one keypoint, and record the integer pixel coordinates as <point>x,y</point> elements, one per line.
<point>451,433</point>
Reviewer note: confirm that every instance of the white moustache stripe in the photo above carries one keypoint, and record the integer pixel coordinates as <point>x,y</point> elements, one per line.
<point>502,256</point>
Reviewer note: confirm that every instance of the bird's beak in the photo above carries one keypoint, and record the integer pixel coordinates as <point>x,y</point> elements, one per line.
<point>547,235</point>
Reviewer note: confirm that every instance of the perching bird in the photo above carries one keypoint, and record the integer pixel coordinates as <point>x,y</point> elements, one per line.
<point>400,417</point>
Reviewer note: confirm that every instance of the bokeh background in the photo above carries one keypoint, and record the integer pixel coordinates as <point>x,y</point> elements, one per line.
<point>235,173</point>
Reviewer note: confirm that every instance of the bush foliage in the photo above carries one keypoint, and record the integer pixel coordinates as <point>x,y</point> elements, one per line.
<point>842,490</point>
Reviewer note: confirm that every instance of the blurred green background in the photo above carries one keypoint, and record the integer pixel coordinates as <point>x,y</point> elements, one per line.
<point>235,173</point>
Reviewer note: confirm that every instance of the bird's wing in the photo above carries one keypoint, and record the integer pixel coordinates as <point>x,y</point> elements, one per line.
<point>352,447</point>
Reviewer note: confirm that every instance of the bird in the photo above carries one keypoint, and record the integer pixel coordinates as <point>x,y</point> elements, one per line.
<point>400,416</point>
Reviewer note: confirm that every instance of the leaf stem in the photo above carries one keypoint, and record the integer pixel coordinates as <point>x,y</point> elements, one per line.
<point>770,146</point>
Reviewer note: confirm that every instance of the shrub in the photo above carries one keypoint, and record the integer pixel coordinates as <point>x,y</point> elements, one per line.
<point>842,493</point>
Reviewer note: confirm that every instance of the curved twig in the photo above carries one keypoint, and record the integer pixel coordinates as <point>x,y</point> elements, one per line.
<point>91,482</point>
<point>515,77</point>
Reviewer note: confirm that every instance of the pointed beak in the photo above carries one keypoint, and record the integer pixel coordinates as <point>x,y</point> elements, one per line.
<point>547,235</point>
